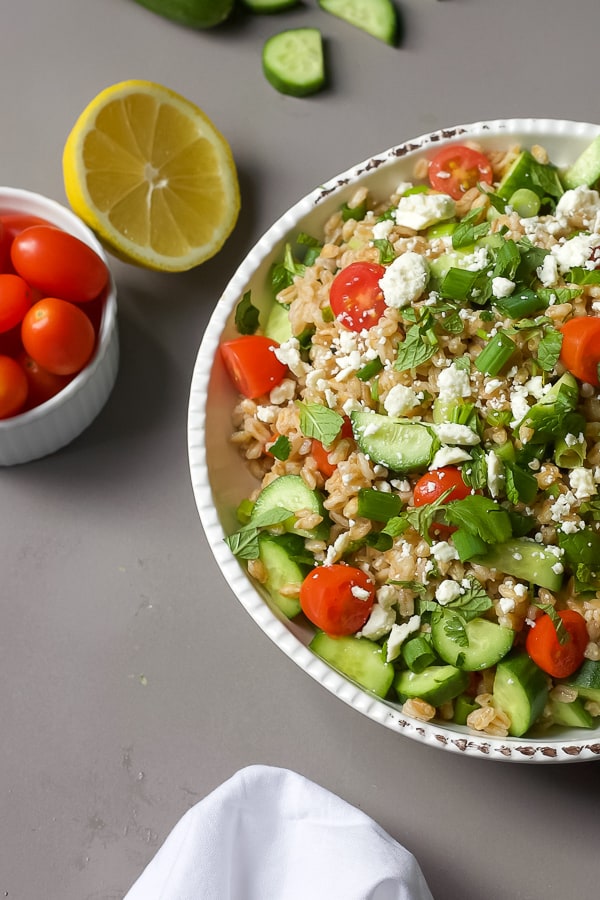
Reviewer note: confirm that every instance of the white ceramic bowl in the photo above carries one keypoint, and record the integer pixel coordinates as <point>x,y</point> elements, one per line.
<point>61,419</point>
<point>219,478</point>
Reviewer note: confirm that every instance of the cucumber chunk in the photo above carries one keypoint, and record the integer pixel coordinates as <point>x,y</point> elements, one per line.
<point>281,569</point>
<point>463,707</point>
<point>376,17</point>
<point>571,715</point>
<point>525,559</point>
<point>268,6</point>
<point>586,168</point>
<point>359,659</point>
<point>586,680</point>
<point>278,326</point>
<point>291,492</point>
<point>435,685</point>
<point>398,444</point>
<point>293,61</point>
<point>527,172</point>
<point>521,690</point>
<point>478,645</point>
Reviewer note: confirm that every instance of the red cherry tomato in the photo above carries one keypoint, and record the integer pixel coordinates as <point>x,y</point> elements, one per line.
<point>252,365</point>
<point>355,296</point>
<point>58,336</point>
<point>543,646</point>
<point>42,384</point>
<point>13,387</point>
<point>456,169</point>
<point>321,453</point>
<point>338,598</point>
<point>15,300</point>
<point>580,351</point>
<point>4,249</point>
<point>10,225</point>
<point>430,488</point>
<point>58,264</point>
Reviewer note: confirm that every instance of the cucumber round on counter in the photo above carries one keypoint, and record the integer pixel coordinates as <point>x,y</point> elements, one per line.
<point>193,13</point>
<point>376,17</point>
<point>293,61</point>
<point>268,6</point>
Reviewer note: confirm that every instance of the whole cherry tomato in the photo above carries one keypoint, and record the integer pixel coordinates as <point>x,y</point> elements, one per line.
<point>15,300</point>
<point>58,264</point>
<point>337,598</point>
<point>456,169</point>
<point>42,384</point>
<point>58,336</point>
<point>355,296</point>
<point>13,387</point>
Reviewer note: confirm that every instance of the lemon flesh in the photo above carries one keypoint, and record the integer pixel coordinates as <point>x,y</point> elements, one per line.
<point>151,175</point>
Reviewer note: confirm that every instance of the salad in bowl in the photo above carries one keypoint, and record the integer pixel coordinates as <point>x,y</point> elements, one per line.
<point>412,361</point>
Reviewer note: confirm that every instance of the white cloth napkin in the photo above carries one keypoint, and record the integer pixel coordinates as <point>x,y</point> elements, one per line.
<point>271,834</point>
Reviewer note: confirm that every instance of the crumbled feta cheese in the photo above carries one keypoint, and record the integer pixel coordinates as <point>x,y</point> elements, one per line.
<point>548,271</point>
<point>495,474</point>
<point>574,252</point>
<point>288,353</point>
<point>521,590</point>
<point>443,552</point>
<point>378,624</point>
<point>502,287</point>
<point>453,384</point>
<point>582,482</point>
<point>474,262</point>
<point>336,550</point>
<point>580,201</point>
<point>360,593</point>
<point>449,433</point>
<point>562,506</point>
<point>387,596</point>
<point>418,211</point>
<point>492,385</point>
<point>506,605</point>
<point>518,404</point>
<point>398,635</point>
<point>266,414</point>
<point>400,400</point>
<point>448,456</point>
<point>447,591</point>
<point>381,230</point>
<point>405,279</point>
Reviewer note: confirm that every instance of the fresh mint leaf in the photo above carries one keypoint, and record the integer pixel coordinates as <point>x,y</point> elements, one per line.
<point>421,518</point>
<point>579,275</point>
<point>549,349</point>
<point>473,602</point>
<point>244,542</point>
<point>320,422</point>
<point>561,632</point>
<point>415,350</point>
<point>558,295</point>
<point>281,448</point>
<point>474,473</point>
<point>508,260</point>
<point>480,516</point>
<point>246,315</point>
<point>467,231</point>
<point>387,254</point>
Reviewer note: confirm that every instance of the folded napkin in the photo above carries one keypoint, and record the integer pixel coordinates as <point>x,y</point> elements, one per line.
<point>271,834</point>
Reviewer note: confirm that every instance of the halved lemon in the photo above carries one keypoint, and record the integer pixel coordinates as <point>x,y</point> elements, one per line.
<point>148,171</point>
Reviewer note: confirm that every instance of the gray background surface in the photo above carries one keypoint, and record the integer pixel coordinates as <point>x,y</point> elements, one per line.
<point>132,682</point>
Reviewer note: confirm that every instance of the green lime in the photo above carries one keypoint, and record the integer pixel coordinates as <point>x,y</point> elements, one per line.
<point>193,13</point>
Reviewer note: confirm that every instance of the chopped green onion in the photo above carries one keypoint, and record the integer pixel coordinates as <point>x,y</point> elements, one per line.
<point>244,511</point>
<point>495,355</point>
<point>458,283</point>
<point>370,369</point>
<point>416,189</point>
<point>417,653</point>
<point>377,505</point>
<point>525,203</point>
<point>354,212</point>
<point>570,450</point>
<point>520,305</point>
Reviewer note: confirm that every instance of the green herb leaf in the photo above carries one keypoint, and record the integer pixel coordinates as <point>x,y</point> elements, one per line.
<point>281,448</point>
<point>244,542</point>
<point>481,516</point>
<point>561,632</point>
<point>473,602</point>
<point>549,349</point>
<point>415,350</point>
<point>354,212</point>
<point>474,473</point>
<point>454,626</point>
<point>421,518</point>
<point>387,254</point>
<point>320,422</point>
<point>467,232</point>
<point>508,260</point>
<point>246,315</point>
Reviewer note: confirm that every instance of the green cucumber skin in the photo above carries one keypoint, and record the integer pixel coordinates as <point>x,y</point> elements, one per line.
<point>586,680</point>
<point>435,684</point>
<point>280,570</point>
<point>278,71</point>
<point>571,715</point>
<point>521,691</point>
<point>488,643</point>
<point>586,168</point>
<point>505,558</point>
<point>359,659</point>
<point>377,17</point>
<point>267,7</point>
<point>402,446</point>
<point>290,492</point>
<point>278,326</point>
<point>186,12</point>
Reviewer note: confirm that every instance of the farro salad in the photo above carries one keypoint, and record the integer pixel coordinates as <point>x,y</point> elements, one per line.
<point>420,407</point>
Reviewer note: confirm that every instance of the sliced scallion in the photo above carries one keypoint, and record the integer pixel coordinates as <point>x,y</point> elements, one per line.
<point>417,653</point>
<point>370,369</point>
<point>458,283</point>
<point>495,354</point>
<point>377,505</point>
<point>522,304</point>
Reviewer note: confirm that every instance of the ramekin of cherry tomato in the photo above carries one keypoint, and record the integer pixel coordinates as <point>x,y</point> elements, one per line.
<point>59,350</point>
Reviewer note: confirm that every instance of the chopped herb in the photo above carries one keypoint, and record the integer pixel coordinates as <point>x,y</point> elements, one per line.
<point>549,349</point>
<point>578,275</point>
<point>558,295</point>
<point>472,602</point>
<point>467,232</point>
<point>561,632</point>
<point>281,448</point>
<point>246,315</point>
<point>354,212</point>
<point>474,474</point>
<point>415,350</point>
<point>244,542</point>
<point>507,261</point>
<point>320,422</point>
<point>421,518</point>
<point>454,626</point>
<point>481,516</point>
<point>521,486</point>
<point>387,254</point>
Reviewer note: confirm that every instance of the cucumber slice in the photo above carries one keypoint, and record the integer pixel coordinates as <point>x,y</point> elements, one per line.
<point>463,707</point>
<point>359,659</point>
<point>398,444</point>
<point>586,680</point>
<point>525,559</point>
<point>521,690</point>
<point>278,326</point>
<point>376,17</point>
<point>281,570</point>
<point>572,715</point>
<point>293,61</point>
<point>435,685</point>
<point>291,492</point>
<point>488,642</point>
<point>586,168</point>
<point>268,6</point>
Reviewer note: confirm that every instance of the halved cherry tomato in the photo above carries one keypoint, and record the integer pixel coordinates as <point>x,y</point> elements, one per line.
<point>580,351</point>
<point>456,169</point>
<point>337,598</point>
<point>430,488</point>
<point>58,336</point>
<point>42,384</point>
<point>543,646</point>
<point>355,296</point>
<point>252,365</point>
<point>13,387</point>
<point>321,453</point>
<point>58,264</point>
<point>15,300</point>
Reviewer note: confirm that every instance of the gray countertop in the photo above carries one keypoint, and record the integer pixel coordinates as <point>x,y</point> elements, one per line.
<point>133,682</point>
